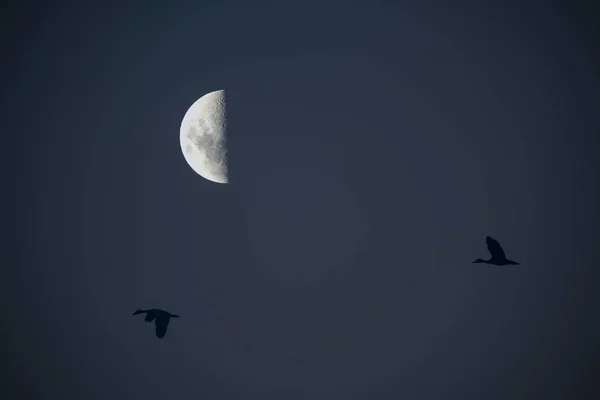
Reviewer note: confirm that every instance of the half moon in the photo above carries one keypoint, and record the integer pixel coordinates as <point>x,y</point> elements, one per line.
<point>203,137</point>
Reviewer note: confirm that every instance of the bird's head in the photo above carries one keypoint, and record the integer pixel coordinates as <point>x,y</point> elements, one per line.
<point>479,260</point>
<point>174,316</point>
<point>138,312</point>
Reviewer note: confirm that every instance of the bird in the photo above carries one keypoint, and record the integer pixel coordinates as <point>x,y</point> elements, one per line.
<point>497,254</point>
<point>160,317</point>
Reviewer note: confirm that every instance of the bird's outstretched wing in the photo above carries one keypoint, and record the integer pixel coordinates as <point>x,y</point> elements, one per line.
<point>162,322</point>
<point>494,248</point>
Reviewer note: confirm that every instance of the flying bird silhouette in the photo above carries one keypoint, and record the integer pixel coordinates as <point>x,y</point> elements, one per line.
<point>161,319</point>
<point>497,254</point>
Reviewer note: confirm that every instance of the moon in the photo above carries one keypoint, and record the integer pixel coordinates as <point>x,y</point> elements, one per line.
<point>203,137</point>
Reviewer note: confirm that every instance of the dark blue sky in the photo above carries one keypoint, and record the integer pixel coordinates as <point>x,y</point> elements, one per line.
<point>373,146</point>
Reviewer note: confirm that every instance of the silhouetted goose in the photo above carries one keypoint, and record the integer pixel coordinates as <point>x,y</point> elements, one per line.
<point>497,254</point>
<point>161,319</point>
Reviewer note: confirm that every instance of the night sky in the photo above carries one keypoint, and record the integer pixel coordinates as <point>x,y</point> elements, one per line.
<point>372,145</point>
